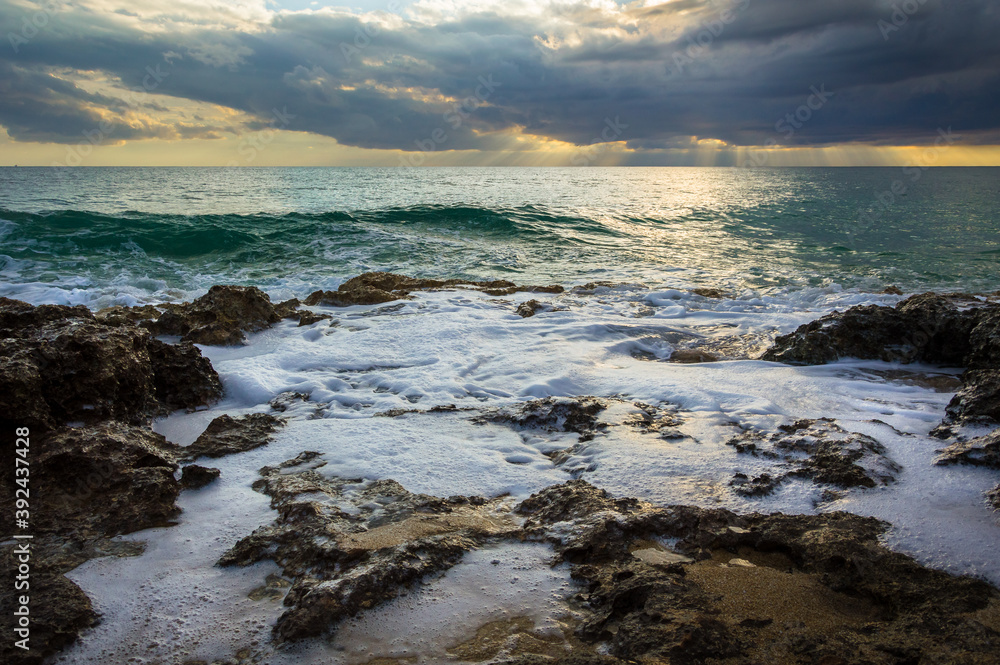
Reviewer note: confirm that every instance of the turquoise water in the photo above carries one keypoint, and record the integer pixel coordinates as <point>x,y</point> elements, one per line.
<point>166,232</point>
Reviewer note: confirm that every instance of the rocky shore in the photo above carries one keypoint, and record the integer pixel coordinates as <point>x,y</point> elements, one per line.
<point>671,584</point>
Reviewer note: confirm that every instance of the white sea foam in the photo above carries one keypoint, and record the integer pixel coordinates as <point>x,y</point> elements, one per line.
<point>466,349</point>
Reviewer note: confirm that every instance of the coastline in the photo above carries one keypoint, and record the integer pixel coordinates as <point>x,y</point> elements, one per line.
<point>655,582</point>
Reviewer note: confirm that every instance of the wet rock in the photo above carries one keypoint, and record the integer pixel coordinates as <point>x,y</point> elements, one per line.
<point>102,480</point>
<point>981,451</point>
<point>979,399</point>
<point>227,435</point>
<point>816,449</point>
<point>288,309</point>
<point>220,317</point>
<point>77,370</point>
<point>662,420</point>
<point>56,370</point>
<point>59,610</point>
<point>195,477</point>
<point>553,414</point>
<point>706,292</point>
<point>892,291</point>
<point>692,356</point>
<point>590,288</point>
<point>807,586</point>
<point>18,318</point>
<point>373,288</point>
<point>350,545</point>
<point>122,316</point>
<point>182,377</point>
<point>923,328</point>
<point>532,307</point>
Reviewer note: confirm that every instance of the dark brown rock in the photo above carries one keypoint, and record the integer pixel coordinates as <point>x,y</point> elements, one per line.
<point>373,288</point>
<point>692,356</point>
<point>981,451</point>
<point>56,370</point>
<point>923,328</point>
<point>345,562</point>
<point>182,377</point>
<point>978,400</point>
<point>531,307</point>
<point>552,414</point>
<point>102,480</point>
<point>220,317</point>
<point>59,610</point>
<point>195,477</point>
<point>781,569</point>
<point>227,435</point>
<point>819,450</point>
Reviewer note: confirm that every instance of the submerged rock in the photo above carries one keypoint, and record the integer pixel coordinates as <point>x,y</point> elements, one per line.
<point>350,544</point>
<point>227,435</point>
<point>373,288</point>
<point>558,414</point>
<point>816,449</point>
<point>220,317</point>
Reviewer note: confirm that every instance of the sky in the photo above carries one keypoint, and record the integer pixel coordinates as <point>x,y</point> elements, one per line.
<point>540,82</point>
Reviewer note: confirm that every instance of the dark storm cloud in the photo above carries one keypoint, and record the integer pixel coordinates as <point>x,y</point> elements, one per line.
<point>738,72</point>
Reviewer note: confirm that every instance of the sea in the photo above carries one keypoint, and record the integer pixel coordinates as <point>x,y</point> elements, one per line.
<point>653,260</point>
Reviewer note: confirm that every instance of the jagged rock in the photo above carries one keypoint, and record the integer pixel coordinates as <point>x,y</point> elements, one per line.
<point>662,420</point>
<point>373,288</point>
<point>351,545</point>
<point>182,377</point>
<point>531,307</point>
<point>76,370</point>
<point>220,317</point>
<point>195,477</point>
<point>664,611</point>
<point>287,309</point>
<point>816,449</point>
<point>922,328</point>
<point>227,435</point>
<point>18,318</point>
<point>981,451</point>
<point>55,370</point>
<point>553,414</point>
<point>120,315</point>
<point>979,398</point>
<point>59,610</point>
<point>100,481</point>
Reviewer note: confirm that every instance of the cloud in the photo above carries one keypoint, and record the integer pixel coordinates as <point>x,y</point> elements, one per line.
<point>476,74</point>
